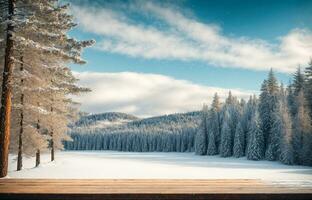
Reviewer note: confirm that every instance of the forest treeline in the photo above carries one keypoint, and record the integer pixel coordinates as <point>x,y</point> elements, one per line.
<point>169,133</point>
<point>275,126</point>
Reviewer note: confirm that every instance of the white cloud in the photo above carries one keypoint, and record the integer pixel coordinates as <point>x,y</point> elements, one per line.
<point>185,38</point>
<point>145,94</point>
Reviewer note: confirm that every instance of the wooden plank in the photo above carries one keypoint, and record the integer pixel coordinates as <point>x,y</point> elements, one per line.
<point>148,189</point>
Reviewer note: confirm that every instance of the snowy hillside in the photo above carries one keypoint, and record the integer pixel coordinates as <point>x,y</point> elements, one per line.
<point>107,123</point>
<point>116,118</point>
<point>104,119</point>
<point>129,165</point>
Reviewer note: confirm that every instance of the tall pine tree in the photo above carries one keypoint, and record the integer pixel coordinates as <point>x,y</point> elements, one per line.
<point>308,86</point>
<point>283,126</point>
<point>226,136</point>
<point>298,81</point>
<point>256,147</point>
<point>267,107</point>
<point>239,141</point>
<point>214,126</point>
<point>202,133</point>
<point>302,133</point>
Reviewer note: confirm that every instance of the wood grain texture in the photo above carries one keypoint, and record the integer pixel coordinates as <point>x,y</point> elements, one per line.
<point>148,189</point>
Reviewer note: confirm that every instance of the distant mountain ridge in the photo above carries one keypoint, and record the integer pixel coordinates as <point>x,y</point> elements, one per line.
<point>91,119</point>
<point>178,118</point>
<point>171,118</point>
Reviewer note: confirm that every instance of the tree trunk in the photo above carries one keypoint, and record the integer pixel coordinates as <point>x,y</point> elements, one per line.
<point>52,150</point>
<point>6,101</point>
<point>38,157</point>
<point>20,137</point>
<point>20,140</point>
<point>38,150</point>
<point>52,140</point>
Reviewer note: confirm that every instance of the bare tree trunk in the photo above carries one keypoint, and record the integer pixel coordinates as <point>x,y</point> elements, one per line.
<point>20,137</point>
<point>6,101</point>
<point>38,150</point>
<point>38,157</point>
<point>52,149</point>
<point>20,140</point>
<point>52,140</point>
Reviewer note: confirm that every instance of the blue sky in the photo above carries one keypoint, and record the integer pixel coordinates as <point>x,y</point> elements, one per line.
<point>221,44</point>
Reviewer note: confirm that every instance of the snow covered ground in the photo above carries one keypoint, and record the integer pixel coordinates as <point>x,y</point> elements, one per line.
<point>126,165</point>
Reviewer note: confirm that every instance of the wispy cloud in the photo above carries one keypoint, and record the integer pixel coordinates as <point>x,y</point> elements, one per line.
<point>145,94</point>
<point>177,35</point>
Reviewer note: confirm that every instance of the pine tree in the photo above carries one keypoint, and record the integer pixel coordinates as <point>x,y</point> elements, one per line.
<point>302,133</point>
<point>291,100</point>
<point>272,83</point>
<point>226,136</point>
<point>286,150</point>
<point>216,104</point>
<point>273,148</point>
<point>264,108</point>
<point>277,130</point>
<point>62,109</point>
<point>267,107</point>
<point>239,142</point>
<point>294,89</point>
<point>230,99</point>
<point>308,86</point>
<point>6,92</point>
<point>298,81</point>
<point>201,136</point>
<point>256,147</point>
<point>211,147</point>
<point>214,126</point>
<point>249,111</point>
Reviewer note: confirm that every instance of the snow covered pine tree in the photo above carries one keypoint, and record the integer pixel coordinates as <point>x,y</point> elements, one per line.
<point>202,133</point>
<point>214,126</point>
